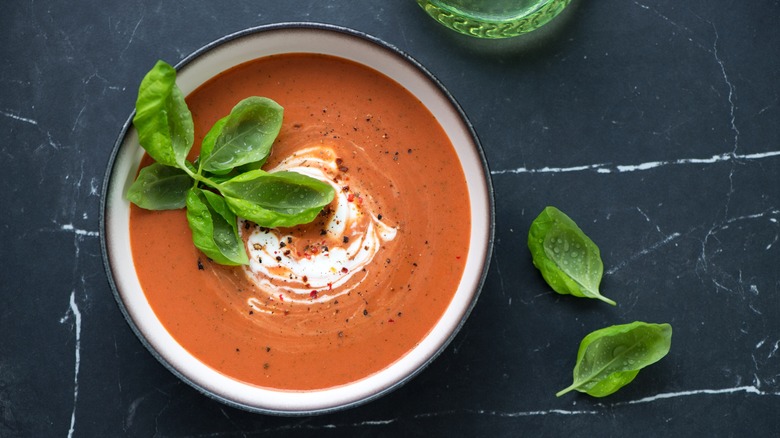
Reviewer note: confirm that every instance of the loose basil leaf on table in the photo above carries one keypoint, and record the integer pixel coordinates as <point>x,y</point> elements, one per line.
<point>162,118</point>
<point>160,187</point>
<point>291,197</point>
<point>611,358</point>
<point>214,228</point>
<point>569,261</point>
<point>244,136</point>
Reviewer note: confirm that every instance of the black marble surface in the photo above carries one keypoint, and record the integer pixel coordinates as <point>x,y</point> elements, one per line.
<point>653,123</point>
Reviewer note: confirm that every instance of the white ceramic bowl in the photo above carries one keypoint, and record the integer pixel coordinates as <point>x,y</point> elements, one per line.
<point>222,55</point>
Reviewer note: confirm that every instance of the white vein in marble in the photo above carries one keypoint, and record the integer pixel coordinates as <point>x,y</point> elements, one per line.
<point>622,168</point>
<point>73,310</point>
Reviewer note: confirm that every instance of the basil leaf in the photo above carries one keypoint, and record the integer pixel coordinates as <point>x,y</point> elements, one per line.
<point>214,228</point>
<point>207,146</point>
<point>162,118</point>
<point>244,136</point>
<point>160,187</point>
<point>270,218</point>
<point>288,193</point>
<point>569,261</point>
<point>610,358</point>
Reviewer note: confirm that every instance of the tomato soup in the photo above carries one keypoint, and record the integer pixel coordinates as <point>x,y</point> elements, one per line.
<point>336,300</point>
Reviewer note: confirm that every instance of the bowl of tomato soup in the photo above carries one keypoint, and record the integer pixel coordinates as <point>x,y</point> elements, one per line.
<point>344,309</point>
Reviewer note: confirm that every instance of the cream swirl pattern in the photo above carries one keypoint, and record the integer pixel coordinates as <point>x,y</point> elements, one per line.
<point>336,261</point>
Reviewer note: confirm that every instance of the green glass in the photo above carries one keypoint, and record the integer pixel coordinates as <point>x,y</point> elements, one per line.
<point>493,18</point>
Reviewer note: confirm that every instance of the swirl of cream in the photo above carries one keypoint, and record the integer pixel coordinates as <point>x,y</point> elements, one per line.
<point>331,264</point>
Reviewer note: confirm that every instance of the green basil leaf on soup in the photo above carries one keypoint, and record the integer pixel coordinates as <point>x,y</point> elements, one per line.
<point>162,118</point>
<point>244,136</point>
<point>611,358</point>
<point>270,218</point>
<point>160,187</point>
<point>288,193</point>
<point>569,261</point>
<point>214,228</point>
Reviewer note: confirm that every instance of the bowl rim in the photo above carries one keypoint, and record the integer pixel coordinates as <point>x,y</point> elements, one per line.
<point>377,43</point>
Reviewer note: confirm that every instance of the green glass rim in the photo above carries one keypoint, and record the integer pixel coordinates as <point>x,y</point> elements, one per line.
<point>494,29</point>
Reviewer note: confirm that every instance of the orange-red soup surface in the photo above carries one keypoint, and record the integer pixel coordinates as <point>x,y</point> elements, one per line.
<point>394,159</point>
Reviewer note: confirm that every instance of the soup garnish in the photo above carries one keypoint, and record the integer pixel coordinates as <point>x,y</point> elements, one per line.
<point>225,181</point>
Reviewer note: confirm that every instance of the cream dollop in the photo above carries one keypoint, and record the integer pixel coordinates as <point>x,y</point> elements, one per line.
<point>337,262</point>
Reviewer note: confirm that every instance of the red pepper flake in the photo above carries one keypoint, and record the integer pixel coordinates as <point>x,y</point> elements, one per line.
<point>391,320</point>
<point>457,257</point>
<point>330,286</point>
<point>313,294</point>
<point>281,297</point>
<point>350,197</point>
<point>344,270</point>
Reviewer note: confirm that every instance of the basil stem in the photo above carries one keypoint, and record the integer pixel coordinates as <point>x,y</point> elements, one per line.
<point>611,358</point>
<point>569,261</point>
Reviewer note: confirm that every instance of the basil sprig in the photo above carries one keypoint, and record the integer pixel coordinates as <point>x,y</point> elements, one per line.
<point>569,261</point>
<point>225,181</point>
<point>611,358</point>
